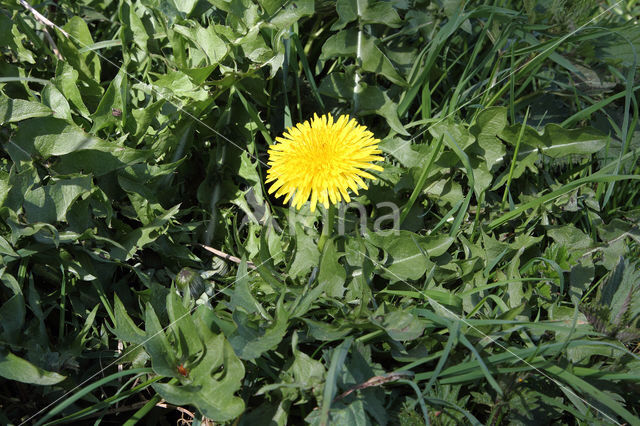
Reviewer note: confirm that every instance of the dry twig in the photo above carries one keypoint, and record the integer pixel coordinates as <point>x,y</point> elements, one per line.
<point>47,23</point>
<point>226,256</point>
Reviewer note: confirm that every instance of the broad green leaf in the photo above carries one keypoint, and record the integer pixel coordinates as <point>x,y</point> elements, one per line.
<point>620,291</point>
<point>249,343</point>
<point>55,100</point>
<point>50,203</point>
<point>88,63</point>
<point>458,132</point>
<point>381,12</point>
<point>5,30</point>
<point>404,258</point>
<point>248,170</point>
<point>580,278</point>
<point>374,100</point>
<point>402,325</point>
<point>100,160</point>
<point>163,355</point>
<point>52,136</point>
<point>242,297</point>
<point>6,249</point>
<point>569,236</point>
<point>17,42</point>
<point>211,392</point>
<point>306,256</point>
<point>212,379</point>
<point>289,13</point>
<point>561,142</point>
<point>178,84</point>
<point>141,118</point>
<point>13,110</point>
<point>12,316</point>
<point>332,274</point>
<point>306,371</point>
<point>67,82</point>
<point>345,43</point>
<point>80,151</point>
<point>205,39</point>
<point>402,150</point>
<point>15,368</point>
<point>124,327</point>
<point>5,186</point>
<point>489,124</point>
<point>619,46</point>
<point>557,142</point>
<point>138,238</point>
<point>183,328</point>
<point>185,6</point>
<point>133,29</point>
<point>337,85</point>
<point>326,332</point>
<point>338,357</point>
<point>366,12</point>
<point>113,105</point>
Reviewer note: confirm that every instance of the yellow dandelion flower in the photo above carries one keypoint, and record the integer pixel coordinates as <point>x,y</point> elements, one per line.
<point>322,159</point>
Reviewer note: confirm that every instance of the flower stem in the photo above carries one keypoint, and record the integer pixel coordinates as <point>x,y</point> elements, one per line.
<point>327,227</point>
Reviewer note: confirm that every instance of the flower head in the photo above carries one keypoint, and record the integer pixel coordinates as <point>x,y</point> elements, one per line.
<point>322,159</point>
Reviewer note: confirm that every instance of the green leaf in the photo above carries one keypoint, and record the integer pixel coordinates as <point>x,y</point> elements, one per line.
<point>206,40</point>
<point>458,132</point>
<point>13,110</point>
<point>306,256</point>
<point>52,136</point>
<point>580,277</point>
<point>15,368</point>
<point>307,372</point>
<point>5,247</point>
<point>213,379</point>
<point>619,46</point>
<point>338,358</point>
<point>366,12</point>
<point>163,356</point>
<point>557,142</point>
<point>621,292</point>
<point>374,100</point>
<point>178,84</point>
<point>183,328</point>
<point>80,151</point>
<point>248,170</point>
<point>55,100</point>
<point>124,327</point>
<point>185,6</point>
<point>12,316</point>
<point>141,118</point>
<point>326,332</point>
<point>489,124</point>
<point>5,186</point>
<point>401,150</point>
<point>402,325</point>
<point>290,13</point>
<point>332,274</point>
<point>404,259</point>
<point>50,203</point>
<point>345,43</point>
<point>67,82</point>
<point>241,296</point>
<point>88,63</point>
<point>249,342</point>
<point>570,236</point>
<point>113,100</point>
